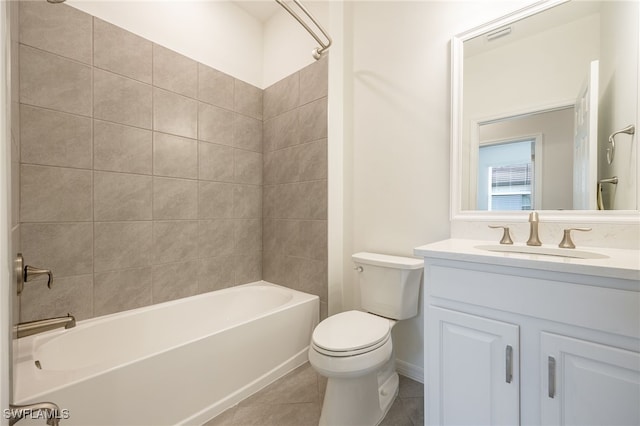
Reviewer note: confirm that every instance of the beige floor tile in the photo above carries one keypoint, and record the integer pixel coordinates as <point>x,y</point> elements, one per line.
<point>296,400</point>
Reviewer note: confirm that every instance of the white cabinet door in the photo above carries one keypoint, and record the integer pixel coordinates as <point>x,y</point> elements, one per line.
<point>592,384</point>
<point>474,374</point>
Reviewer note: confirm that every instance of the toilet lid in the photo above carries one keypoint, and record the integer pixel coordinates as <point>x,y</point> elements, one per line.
<point>351,330</point>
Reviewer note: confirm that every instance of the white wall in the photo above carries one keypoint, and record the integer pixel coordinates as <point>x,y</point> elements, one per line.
<point>619,66</point>
<point>543,69</point>
<point>287,45</point>
<point>397,117</point>
<point>215,33</point>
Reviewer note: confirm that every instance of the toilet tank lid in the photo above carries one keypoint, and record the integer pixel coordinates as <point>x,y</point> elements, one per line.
<point>397,262</point>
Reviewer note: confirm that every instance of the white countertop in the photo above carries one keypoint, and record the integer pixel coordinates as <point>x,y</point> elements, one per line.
<point>621,264</point>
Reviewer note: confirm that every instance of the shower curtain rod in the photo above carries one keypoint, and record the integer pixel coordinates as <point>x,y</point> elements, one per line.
<point>318,51</point>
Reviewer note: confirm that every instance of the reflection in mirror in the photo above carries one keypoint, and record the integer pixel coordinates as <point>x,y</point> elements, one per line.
<point>528,158</point>
<point>541,95</point>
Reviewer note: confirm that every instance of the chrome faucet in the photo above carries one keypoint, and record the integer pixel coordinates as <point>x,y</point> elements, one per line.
<point>533,240</point>
<point>40,326</point>
<point>18,412</point>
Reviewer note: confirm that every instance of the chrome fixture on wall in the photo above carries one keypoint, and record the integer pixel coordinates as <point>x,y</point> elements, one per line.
<point>29,273</point>
<point>324,45</point>
<point>611,180</point>
<point>629,130</point>
<point>29,328</point>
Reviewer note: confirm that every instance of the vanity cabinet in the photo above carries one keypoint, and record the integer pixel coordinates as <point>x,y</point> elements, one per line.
<point>519,340</point>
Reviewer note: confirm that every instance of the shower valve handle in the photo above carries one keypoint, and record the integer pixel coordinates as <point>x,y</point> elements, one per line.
<point>30,273</point>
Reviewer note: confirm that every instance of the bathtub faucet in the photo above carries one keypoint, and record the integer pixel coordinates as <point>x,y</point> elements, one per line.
<point>19,412</point>
<point>40,326</point>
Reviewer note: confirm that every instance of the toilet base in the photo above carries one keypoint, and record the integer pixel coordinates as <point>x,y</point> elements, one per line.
<point>361,401</point>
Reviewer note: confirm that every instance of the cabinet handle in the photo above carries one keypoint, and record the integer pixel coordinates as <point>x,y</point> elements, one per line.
<point>552,377</point>
<point>509,363</point>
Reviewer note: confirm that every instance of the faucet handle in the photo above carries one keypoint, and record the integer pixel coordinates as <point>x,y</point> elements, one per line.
<point>567,242</point>
<point>31,272</point>
<point>506,237</point>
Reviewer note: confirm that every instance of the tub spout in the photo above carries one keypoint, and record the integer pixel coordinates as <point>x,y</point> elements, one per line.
<point>51,412</point>
<point>40,326</point>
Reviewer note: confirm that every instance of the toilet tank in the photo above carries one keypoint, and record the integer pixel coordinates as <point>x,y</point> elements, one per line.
<point>389,285</point>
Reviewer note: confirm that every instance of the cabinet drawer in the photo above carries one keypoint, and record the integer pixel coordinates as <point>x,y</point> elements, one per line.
<point>599,308</point>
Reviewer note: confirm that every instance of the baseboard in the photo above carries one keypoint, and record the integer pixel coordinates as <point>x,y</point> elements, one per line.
<point>239,395</point>
<point>410,370</point>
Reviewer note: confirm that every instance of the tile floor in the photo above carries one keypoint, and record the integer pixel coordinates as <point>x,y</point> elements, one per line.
<point>296,400</point>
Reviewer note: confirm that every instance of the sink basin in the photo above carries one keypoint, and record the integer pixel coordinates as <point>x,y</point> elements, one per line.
<point>545,251</point>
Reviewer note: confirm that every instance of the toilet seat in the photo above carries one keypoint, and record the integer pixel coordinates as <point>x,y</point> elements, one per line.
<point>351,333</point>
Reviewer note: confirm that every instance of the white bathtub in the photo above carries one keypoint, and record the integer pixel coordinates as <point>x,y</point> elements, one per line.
<point>180,362</point>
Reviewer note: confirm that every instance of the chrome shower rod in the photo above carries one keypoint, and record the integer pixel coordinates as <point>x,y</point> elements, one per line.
<point>324,45</point>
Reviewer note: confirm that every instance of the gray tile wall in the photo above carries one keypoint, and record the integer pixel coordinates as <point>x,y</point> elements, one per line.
<point>295,181</point>
<point>140,169</point>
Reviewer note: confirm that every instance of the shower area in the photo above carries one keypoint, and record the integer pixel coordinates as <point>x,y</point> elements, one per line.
<point>142,174</point>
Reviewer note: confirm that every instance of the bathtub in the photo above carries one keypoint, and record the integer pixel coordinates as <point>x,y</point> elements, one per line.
<point>179,362</point>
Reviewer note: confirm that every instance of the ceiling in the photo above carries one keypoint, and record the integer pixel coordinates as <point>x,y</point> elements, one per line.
<point>262,10</point>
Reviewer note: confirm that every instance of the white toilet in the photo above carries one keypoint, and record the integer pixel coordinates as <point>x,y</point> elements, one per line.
<point>353,349</point>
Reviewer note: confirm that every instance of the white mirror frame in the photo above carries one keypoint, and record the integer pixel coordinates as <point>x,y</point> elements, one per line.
<point>456,212</point>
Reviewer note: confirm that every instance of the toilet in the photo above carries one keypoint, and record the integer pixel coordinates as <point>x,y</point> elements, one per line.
<point>354,350</point>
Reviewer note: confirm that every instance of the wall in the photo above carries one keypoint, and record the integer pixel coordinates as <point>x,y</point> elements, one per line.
<point>287,45</point>
<point>141,169</point>
<point>396,81</point>
<point>493,81</point>
<point>215,33</point>
<point>397,118</point>
<point>295,181</point>
<point>619,65</point>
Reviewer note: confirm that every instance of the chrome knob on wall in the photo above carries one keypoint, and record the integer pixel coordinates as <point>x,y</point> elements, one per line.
<point>29,273</point>
<point>629,130</point>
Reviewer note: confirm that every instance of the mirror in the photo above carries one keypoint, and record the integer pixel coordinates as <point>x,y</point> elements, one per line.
<point>536,96</point>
